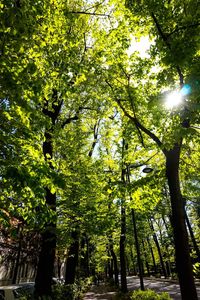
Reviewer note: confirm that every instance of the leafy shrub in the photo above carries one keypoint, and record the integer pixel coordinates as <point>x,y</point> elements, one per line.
<point>121,296</point>
<point>71,291</point>
<point>149,295</point>
<point>84,284</point>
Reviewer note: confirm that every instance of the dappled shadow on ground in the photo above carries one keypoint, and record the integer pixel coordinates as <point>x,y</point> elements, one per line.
<point>104,292</point>
<point>157,285</point>
<point>100,292</point>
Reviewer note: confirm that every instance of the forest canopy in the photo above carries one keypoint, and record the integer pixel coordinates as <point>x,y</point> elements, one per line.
<point>99,128</point>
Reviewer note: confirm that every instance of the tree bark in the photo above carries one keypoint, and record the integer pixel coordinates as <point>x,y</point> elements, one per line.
<point>45,267</point>
<point>146,259</point>
<point>122,250</point>
<point>158,248</point>
<point>17,262</point>
<point>183,260</point>
<point>110,268</point>
<point>153,257</point>
<point>72,259</point>
<point>84,260</point>
<point>137,250</point>
<point>196,248</point>
<point>115,265</point>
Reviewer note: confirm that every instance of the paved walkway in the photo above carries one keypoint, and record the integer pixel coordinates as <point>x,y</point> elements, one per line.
<point>159,285</point>
<point>102,292</point>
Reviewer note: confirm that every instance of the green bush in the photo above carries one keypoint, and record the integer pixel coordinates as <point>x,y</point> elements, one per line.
<point>71,291</point>
<point>149,295</point>
<point>66,292</point>
<point>84,284</point>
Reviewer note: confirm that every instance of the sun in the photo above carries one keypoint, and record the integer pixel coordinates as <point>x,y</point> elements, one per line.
<point>173,99</point>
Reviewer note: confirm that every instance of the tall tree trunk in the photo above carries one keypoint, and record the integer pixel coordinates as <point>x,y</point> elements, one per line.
<point>146,259</point>
<point>183,260</point>
<point>72,259</point>
<point>158,248</point>
<point>123,228</point>
<point>115,265</point>
<point>137,250</point>
<point>110,268</point>
<point>87,256</point>
<point>196,248</point>
<point>168,226</point>
<point>59,266</point>
<point>153,257</point>
<point>17,262</point>
<point>84,260</point>
<point>122,250</point>
<point>45,267</point>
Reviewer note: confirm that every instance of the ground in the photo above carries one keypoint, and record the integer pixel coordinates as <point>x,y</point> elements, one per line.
<point>104,292</point>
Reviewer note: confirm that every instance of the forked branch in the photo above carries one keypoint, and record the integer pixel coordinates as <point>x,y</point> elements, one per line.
<point>143,128</point>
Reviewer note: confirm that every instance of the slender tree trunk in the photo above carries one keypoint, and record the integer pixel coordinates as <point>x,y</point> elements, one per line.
<point>72,259</point>
<point>197,210</point>
<point>109,264</point>
<point>166,226</point>
<point>168,268</point>
<point>115,265</point>
<point>122,250</point>
<point>17,262</point>
<point>87,256</point>
<point>196,248</point>
<point>26,269</point>
<point>84,260</point>
<point>137,250</point>
<point>123,231</point>
<point>146,259</point>
<point>153,257</point>
<point>183,261</point>
<point>171,241</point>
<point>59,267</point>
<point>158,248</point>
<point>110,269</point>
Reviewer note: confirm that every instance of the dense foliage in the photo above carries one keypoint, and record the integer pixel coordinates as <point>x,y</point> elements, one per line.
<point>83,86</point>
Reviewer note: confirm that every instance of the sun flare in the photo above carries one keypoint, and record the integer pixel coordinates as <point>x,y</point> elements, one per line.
<point>173,99</point>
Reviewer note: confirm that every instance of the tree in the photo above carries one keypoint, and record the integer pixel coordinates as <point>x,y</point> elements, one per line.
<point>159,22</point>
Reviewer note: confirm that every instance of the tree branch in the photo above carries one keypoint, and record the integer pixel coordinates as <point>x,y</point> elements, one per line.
<point>143,128</point>
<point>56,106</point>
<point>88,13</point>
<point>69,120</point>
<point>177,29</point>
<point>167,43</point>
<point>96,131</point>
<point>137,165</point>
<point>75,117</point>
